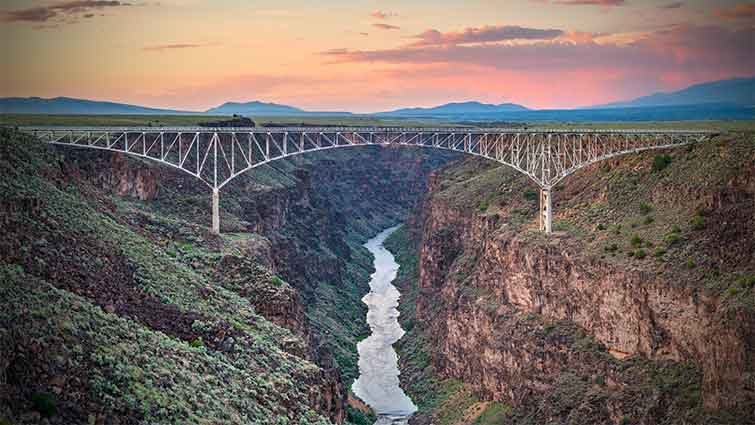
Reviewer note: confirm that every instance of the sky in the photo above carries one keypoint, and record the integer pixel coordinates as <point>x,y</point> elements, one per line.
<point>370,55</point>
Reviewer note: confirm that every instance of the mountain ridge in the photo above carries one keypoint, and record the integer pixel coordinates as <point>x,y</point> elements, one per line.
<point>734,91</point>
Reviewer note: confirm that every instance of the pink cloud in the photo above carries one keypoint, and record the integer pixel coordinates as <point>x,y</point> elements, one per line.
<point>487,33</point>
<point>163,47</point>
<point>379,14</point>
<point>386,27</point>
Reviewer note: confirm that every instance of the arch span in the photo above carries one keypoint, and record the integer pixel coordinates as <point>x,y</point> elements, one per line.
<point>216,156</point>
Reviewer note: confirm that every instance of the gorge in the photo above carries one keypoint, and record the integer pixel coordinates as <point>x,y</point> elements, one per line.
<point>609,321</point>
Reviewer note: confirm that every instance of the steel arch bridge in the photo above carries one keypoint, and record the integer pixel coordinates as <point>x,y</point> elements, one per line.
<point>215,156</point>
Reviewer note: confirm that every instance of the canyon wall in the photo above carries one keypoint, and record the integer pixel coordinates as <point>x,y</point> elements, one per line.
<point>639,309</point>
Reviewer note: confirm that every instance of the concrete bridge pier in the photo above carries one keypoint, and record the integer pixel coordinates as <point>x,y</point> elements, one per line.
<point>546,210</point>
<point>216,211</point>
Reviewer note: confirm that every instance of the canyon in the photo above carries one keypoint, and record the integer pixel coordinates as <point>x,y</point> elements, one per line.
<point>639,309</point>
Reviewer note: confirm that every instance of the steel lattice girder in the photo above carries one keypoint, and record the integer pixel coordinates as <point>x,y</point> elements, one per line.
<point>217,156</point>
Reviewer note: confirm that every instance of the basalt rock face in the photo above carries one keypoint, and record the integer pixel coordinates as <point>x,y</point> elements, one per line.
<point>534,322</point>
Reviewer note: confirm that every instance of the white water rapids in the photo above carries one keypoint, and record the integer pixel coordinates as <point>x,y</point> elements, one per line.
<point>378,382</point>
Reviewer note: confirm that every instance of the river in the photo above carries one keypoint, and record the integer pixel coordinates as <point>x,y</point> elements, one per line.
<point>378,382</point>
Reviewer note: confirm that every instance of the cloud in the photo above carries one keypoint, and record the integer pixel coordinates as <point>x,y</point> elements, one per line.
<point>62,10</point>
<point>675,5</point>
<point>386,27</point>
<point>586,2</point>
<point>379,14</point>
<point>680,50</point>
<point>740,11</point>
<point>484,34</point>
<point>177,46</point>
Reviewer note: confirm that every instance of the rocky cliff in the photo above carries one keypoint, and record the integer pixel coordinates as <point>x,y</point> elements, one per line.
<point>291,250</point>
<point>638,310</point>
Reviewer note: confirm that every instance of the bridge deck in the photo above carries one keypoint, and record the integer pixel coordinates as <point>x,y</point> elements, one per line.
<point>443,130</point>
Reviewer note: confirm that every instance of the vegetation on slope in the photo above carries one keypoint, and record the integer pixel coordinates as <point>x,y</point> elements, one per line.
<point>101,321</point>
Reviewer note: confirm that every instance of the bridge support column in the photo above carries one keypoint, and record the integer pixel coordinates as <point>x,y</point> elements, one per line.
<point>546,210</point>
<point>216,211</point>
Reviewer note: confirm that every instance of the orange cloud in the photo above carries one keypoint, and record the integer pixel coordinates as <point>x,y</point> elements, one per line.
<point>740,11</point>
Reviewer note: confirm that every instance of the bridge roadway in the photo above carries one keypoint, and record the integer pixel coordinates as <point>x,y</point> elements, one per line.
<point>215,156</point>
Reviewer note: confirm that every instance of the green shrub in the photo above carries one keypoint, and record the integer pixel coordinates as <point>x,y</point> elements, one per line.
<point>636,241</point>
<point>549,328</point>
<point>625,421</point>
<point>197,343</point>
<point>690,264</point>
<point>675,228</point>
<point>44,403</point>
<point>640,254</point>
<point>732,291</point>
<point>746,282</point>
<point>659,252</point>
<point>483,206</point>
<point>649,219</point>
<point>660,162</point>
<point>616,229</point>
<point>276,281</point>
<point>601,226</point>
<point>600,380</point>
<point>531,195</point>
<point>672,238</point>
<point>697,222</point>
<point>645,208</point>
<point>612,248</point>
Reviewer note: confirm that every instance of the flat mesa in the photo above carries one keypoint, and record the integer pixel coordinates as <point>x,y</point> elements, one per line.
<point>378,382</point>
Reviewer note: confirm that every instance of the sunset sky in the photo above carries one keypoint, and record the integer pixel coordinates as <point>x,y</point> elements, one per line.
<point>370,55</point>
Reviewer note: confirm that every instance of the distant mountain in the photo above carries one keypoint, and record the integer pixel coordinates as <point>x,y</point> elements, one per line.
<point>738,91</point>
<point>254,108</point>
<point>70,106</point>
<point>457,109</point>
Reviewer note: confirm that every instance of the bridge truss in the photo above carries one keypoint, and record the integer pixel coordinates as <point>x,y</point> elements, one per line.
<point>215,156</point>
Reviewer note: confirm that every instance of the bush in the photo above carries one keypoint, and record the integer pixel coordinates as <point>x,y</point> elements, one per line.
<point>649,219</point>
<point>601,226</point>
<point>690,264</point>
<point>600,380</point>
<point>276,281</point>
<point>697,222</point>
<point>483,206</point>
<point>645,208</point>
<point>746,282</point>
<point>640,254</point>
<point>660,162</point>
<point>612,248</point>
<point>44,403</point>
<point>549,328</point>
<point>197,343</point>
<point>531,195</point>
<point>672,238</point>
<point>659,252</point>
<point>636,241</point>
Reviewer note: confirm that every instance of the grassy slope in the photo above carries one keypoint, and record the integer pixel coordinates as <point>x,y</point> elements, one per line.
<point>63,258</point>
<point>605,211</point>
